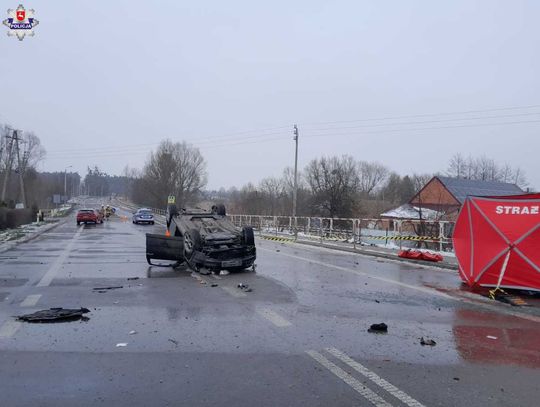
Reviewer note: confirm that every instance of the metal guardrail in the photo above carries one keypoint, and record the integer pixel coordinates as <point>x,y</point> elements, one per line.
<point>434,235</point>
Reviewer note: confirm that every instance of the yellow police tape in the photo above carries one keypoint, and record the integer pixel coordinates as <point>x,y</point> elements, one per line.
<point>278,239</point>
<point>345,238</point>
<point>401,237</point>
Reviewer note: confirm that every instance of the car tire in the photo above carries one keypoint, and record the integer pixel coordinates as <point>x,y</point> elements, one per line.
<point>192,243</point>
<point>248,237</point>
<point>219,209</point>
<point>78,223</point>
<point>152,222</point>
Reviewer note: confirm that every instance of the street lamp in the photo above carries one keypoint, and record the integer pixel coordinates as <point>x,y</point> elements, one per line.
<point>65,181</point>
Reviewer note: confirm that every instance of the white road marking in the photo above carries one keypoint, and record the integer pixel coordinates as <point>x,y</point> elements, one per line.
<point>370,395</point>
<point>425,290</point>
<point>31,300</point>
<point>235,292</point>
<point>379,381</point>
<point>273,317</point>
<point>51,273</point>
<point>9,329</point>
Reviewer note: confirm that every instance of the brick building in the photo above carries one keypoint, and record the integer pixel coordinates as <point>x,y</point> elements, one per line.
<point>446,195</point>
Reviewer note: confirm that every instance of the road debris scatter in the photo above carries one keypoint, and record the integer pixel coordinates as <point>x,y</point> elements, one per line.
<point>381,328</point>
<point>427,342</point>
<point>55,315</point>
<point>105,289</point>
<point>244,287</point>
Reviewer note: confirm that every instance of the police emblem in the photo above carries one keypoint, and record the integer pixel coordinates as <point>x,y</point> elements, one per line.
<point>21,22</point>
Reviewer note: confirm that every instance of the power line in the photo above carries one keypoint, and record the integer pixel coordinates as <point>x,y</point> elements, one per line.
<point>425,115</point>
<point>259,139</point>
<point>209,139</point>
<point>143,152</point>
<point>427,121</point>
<point>423,128</point>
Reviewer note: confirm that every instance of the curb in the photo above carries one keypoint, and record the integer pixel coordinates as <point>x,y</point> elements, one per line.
<point>10,245</point>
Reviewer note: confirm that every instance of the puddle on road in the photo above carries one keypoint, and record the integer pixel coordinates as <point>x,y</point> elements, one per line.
<point>484,337</point>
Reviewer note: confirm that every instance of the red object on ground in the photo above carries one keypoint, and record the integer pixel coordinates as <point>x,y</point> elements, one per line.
<point>419,255</point>
<point>497,241</point>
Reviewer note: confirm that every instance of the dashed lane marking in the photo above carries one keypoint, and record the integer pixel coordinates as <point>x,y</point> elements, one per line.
<point>51,273</point>
<point>273,317</point>
<point>367,393</point>
<point>31,300</point>
<point>9,328</point>
<point>379,381</point>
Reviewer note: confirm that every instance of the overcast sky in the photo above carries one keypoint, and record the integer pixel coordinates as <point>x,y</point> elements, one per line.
<point>102,82</point>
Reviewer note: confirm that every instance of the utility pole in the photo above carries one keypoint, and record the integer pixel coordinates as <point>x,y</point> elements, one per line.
<point>9,163</point>
<point>295,190</point>
<point>65,182</point>
<point>16,138</point>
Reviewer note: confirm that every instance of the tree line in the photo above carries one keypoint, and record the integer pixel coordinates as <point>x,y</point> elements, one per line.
<point>329,186</point>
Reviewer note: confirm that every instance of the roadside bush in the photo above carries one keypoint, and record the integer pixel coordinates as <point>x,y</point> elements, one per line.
<point>11,218</point>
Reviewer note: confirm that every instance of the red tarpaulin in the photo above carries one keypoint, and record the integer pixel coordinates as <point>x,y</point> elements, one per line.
<point>497,241</point>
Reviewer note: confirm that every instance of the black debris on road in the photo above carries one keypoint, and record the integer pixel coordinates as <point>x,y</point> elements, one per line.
<point>55,315</point>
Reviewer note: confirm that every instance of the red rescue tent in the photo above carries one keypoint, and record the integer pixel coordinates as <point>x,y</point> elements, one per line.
<point>497,241</point>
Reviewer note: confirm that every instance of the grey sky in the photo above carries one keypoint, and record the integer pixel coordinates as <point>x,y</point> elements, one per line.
<point>119,74</point>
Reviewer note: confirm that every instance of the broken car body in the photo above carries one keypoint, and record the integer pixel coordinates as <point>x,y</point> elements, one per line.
<point>203,239</point>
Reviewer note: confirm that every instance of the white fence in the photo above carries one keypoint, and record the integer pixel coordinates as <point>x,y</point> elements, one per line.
<point>434,235</point>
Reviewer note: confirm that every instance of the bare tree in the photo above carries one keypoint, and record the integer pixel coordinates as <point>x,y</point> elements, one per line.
<point>273,190</point>
<point>174,168</point>
<point>420,180</point>
<point>371,175</point>
<point>334,183</point>
<point>485,169</point>
<point>33,153</point>
<point>457,167</point>
<point>488,170</point>
<point>519,178</point>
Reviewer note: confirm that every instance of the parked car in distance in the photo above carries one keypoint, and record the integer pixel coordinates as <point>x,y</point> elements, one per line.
<point>143,215</point>
<point>89,216</point>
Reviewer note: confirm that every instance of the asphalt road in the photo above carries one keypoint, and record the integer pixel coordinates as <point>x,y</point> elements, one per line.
<point>299,338</point>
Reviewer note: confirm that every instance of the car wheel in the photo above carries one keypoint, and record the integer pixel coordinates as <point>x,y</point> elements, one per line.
<point>248,236</point>
<point>152,222</point>
<point>219,210</point>
<point>192,243</point>
<point>78,223</point>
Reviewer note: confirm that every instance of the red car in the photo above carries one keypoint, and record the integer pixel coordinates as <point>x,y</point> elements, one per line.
<point>89,216</point>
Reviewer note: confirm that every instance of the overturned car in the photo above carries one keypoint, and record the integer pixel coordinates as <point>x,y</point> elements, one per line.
<point>203,239</point>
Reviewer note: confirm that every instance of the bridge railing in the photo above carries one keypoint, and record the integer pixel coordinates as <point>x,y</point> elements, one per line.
<point>391,233</point>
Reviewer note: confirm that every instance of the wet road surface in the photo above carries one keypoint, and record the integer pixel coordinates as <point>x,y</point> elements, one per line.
<point>299,338</point>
